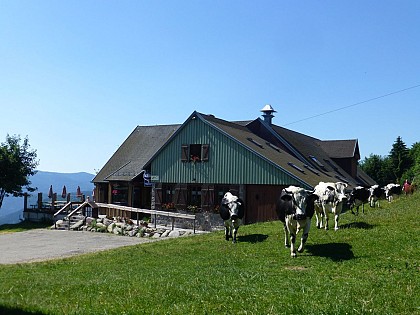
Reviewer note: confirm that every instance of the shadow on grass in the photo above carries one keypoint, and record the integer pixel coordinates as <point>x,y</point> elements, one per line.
<point>252,238</point>
<point>357,225</point>
<point>333,251</point>
<point>17,311</point>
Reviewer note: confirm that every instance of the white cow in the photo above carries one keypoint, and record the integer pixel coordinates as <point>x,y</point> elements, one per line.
<point>295,208</point>
<point>376,193</point>
<point>331,199</point>
<point>392,191</point>
<point>232,212</point>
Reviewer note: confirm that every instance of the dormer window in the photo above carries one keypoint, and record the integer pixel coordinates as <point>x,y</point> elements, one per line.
<point>194,153</point>
<point>255,142</point>
<point>296,167</point>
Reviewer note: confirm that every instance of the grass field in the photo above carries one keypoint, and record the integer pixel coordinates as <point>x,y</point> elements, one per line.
<point>370,266</point>
<point>23,226</point>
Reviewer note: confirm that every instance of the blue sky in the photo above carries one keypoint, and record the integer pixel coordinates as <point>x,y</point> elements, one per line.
<point>77,77</point>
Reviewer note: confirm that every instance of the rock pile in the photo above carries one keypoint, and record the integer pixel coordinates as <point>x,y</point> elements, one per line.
<point>122,226</point>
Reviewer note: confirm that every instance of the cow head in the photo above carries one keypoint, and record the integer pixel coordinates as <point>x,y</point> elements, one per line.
<point>299,199</point>
<point>341,198</point>
<point>231,207</point>
<point>329,194</point>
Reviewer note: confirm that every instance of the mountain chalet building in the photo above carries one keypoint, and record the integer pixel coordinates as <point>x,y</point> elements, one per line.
<point>192,165</point>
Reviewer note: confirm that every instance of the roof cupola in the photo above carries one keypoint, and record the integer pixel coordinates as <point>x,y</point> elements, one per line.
<point>268,111</point>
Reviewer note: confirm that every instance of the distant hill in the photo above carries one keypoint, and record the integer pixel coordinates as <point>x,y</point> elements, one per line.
<point>12,207</point>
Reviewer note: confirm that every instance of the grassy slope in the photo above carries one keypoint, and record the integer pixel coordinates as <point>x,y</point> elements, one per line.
<point>369,266</point>
<point>23,226</point>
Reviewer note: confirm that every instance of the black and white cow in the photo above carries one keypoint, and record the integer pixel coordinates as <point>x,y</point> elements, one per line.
<point>331,199</point>
<point>376,193</point>
<point>392,191</point>
<point>295,208</point>
<point>232,212</point>
<point>358,197</point>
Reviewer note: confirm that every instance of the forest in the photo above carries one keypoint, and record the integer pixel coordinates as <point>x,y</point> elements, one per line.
<point>400,164</point>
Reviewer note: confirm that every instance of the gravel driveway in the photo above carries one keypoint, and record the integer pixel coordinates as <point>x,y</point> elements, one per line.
<point>44,244</point>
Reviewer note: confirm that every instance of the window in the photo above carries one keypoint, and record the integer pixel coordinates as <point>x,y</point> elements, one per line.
<point>119,194</point>
<point>296,167</point>
<point>195,152</point>
<point>317,162</point>
<point>168,191</point>
<point>194,196</point>
<point>255,142</point>
<point>273,146</point>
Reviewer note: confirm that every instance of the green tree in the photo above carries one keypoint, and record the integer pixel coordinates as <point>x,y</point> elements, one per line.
<point>399,158</point>
<point>17,163</point>
<point>414,172</point>
<point>378,168</point>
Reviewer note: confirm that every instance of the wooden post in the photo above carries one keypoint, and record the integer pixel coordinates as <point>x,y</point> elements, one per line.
<point>39,201</point>
<point>25,202</point>
<point>53,199</point>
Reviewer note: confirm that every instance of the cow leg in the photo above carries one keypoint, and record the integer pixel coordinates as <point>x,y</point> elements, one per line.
<point>292,227</point>
<point>227,233</point>
<point>228,230</point>
<point>319,215</point>
<point>319,218</point>
<point>326,218</point>
<point>286,236</point>
<point>306,228</point>
<point>292,244</point>
<point>235,231</point>
<point>336,217</point>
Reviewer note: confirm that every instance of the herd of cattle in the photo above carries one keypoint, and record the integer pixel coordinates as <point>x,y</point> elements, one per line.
<point>296,207</point>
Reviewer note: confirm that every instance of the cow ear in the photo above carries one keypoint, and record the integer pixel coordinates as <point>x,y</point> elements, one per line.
<point>286,197</point>
<point>330,188</point>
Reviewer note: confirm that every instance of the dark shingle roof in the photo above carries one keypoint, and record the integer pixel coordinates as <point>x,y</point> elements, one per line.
<point>286,160</point>
<point>340,148</point>
<point>128,161</point>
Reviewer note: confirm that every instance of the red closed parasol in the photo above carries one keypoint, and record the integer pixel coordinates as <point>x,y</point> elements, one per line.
<point>64,193</point>
<point>50,192</point>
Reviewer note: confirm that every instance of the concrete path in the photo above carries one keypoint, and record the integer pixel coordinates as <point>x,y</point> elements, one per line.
<point>44,244</point>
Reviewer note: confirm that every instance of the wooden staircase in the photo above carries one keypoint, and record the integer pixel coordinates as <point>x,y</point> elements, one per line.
<point>68,215</point>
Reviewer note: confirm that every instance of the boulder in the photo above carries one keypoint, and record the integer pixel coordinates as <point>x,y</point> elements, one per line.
<point>100,225</point>
<point>174,233</point>
<point>110,227</point>
<point>132,233</point>
<point>107,221</point>
<point>90,220</point>
<point>77,225</point>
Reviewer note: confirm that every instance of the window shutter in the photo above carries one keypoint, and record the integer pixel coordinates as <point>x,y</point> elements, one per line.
<point>180,198</point>
<point>158,196</point>
<point>205,152</point>
<point>207,197</point>
<point>184,153</point>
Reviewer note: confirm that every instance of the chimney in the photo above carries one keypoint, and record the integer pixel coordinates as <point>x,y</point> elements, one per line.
<point>268,113</point>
